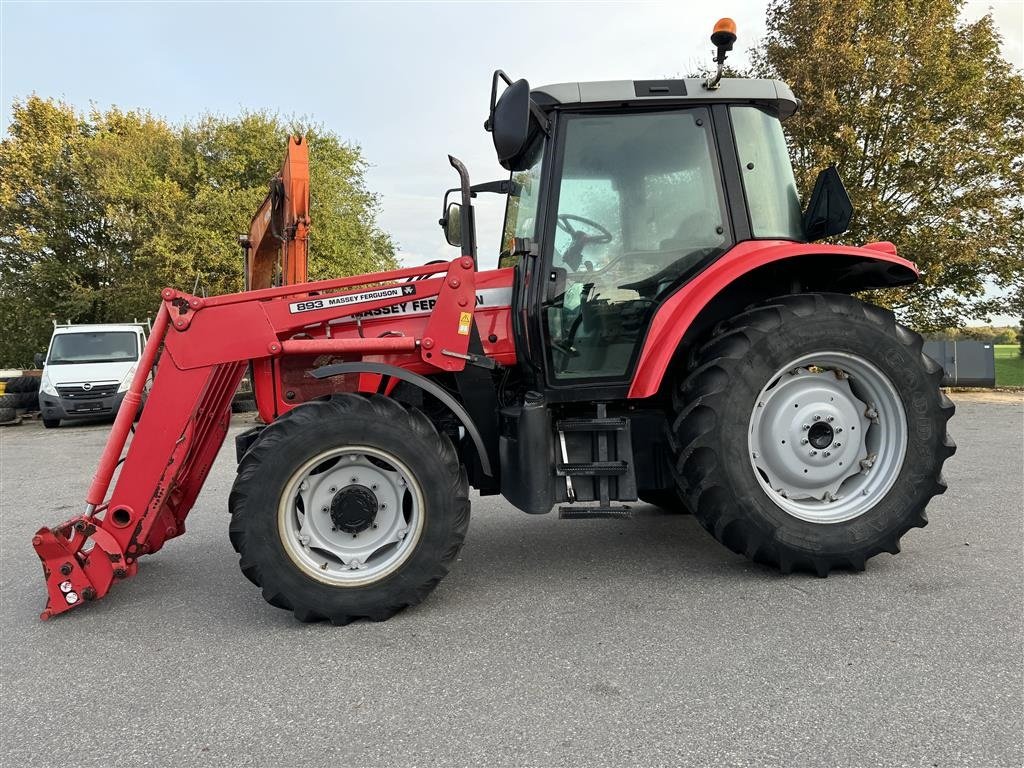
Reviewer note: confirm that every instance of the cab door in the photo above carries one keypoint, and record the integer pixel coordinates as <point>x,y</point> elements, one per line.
<point>636,209</point>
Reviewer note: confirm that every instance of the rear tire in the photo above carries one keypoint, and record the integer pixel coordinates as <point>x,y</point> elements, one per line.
<point>667,500</point>
<point>349,455</point>
<point>766,507</point>
<point>7,415</point>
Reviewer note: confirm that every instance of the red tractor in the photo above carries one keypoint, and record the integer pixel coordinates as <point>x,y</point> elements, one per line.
<point>663,325</point>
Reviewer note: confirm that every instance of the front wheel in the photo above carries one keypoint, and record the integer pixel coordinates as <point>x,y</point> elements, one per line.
<point>812,433</point>
<point>353,507</point>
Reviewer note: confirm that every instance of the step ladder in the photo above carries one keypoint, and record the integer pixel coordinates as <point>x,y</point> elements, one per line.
<point>610,437</point>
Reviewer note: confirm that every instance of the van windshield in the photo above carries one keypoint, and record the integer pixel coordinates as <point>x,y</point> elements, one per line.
<point>97,347</point>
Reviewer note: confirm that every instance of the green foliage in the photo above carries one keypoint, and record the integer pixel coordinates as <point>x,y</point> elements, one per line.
<point>926,122</point>
<point>99,212</point>
<point>990,334</point>
<point>1009,366</point>
<point>1020,337</point>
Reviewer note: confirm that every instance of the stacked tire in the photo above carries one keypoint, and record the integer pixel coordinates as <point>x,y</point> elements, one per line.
<point>20,394</point>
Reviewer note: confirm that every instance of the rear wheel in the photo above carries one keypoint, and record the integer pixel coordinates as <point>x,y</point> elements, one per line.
<point>812,434</point>
<point>667,499</point>
<point>349,508</point>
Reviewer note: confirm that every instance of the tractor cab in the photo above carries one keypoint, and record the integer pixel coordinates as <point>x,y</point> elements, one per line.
<point>621,192</point>
<point>625,191</point>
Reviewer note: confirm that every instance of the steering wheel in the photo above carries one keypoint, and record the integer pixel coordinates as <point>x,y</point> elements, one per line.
<point>574,253</point>
<point>565,224</point>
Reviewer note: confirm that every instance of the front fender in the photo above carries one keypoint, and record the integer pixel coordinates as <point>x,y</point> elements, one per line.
<point>842,268</point>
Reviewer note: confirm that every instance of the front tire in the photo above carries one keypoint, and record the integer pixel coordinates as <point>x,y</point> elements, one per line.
<point>353,507</point>
<point>769,455</point>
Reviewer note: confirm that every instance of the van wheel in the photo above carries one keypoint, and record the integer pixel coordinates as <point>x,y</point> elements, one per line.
<point>51,423</point>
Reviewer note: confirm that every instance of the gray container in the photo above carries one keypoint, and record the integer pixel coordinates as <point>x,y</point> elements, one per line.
<point>964,363</point>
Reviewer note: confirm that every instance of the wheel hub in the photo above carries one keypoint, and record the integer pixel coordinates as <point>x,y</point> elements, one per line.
<point>354,508</point>
<point>817,431</point>
<point>820,435</point>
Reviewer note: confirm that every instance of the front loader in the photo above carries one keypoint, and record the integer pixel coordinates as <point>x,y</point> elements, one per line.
<point>662,326</point>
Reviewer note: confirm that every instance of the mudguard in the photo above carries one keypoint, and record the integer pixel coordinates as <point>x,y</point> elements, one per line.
<point>874,265</point>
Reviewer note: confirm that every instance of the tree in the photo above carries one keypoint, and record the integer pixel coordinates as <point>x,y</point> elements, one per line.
<point>99,212</point>
<point>925,120</point>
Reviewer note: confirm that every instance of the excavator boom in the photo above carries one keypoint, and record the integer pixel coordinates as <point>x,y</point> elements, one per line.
<point>276,247</point>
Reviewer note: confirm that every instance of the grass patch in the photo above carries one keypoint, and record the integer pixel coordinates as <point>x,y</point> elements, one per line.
<point>1009,366</point>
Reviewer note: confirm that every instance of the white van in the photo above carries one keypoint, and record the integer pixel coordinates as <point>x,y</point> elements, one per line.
<point>88,369</point>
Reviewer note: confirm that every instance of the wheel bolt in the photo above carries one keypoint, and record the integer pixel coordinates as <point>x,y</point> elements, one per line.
<point>803,441</point>
<point>814,453</point>
<point>383,506</point>
<point>754,454</point>
<point>839,445</point>
<point>817,417</point>
<point>830,419</point>
<point>839,430</point>
<point>827,454</point>
<point>333,489</point>
<point>373,487</point>
<point>806,427</point>
<point>324,508</point>
<point>374,525</point>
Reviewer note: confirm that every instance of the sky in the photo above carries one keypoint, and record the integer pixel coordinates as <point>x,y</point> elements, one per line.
<point>408,82</point>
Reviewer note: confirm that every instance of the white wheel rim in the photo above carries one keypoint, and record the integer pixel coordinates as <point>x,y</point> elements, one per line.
<point>329,526</point>
<point>827,437</point>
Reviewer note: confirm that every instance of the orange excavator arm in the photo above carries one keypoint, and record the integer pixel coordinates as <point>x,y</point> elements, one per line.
<point>276,248</point>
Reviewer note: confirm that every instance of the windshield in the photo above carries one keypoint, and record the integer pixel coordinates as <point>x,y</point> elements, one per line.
<point>521,210</point>
<point>95,347</point>
<point>767,175</point>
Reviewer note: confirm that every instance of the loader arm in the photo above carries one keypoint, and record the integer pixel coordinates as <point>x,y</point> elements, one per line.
<point>204,346</point>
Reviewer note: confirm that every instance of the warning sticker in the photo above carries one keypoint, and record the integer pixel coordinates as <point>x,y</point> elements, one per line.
<point>327,302</point>
<point>465,319</point>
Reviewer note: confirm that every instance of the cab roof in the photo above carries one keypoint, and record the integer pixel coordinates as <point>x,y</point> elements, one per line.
<point>773,94</point>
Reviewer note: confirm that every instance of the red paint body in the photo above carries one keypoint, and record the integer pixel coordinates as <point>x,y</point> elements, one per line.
<point>676,314</point>
<point>285,333</point>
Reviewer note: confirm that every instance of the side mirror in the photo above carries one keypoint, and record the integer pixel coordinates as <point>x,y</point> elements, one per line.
<point>38,359</point>
<point>829,210</point>
<point>452,224</point>
<point>510,120</point>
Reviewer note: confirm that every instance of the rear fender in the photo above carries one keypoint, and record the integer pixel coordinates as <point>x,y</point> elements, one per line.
<point>752,271</point>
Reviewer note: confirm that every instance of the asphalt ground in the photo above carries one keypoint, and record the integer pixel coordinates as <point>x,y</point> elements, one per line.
<point>552,642</point>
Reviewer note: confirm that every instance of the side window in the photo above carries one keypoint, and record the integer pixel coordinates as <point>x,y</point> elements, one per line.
<point>521,210</point>
<point>772,196</point>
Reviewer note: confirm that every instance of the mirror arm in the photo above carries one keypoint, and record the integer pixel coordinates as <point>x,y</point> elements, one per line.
<point>541,118</point>
<point>500,187</point>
